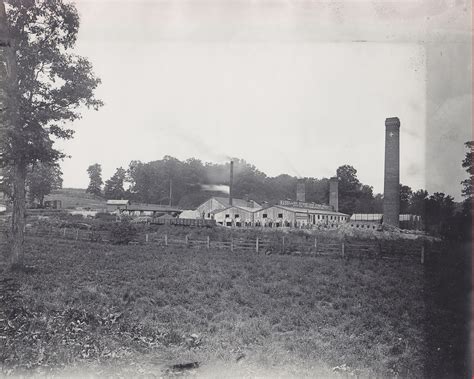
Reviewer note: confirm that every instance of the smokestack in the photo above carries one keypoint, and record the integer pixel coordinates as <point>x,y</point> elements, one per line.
<point>391,192</point>
<point>334,193</point>
<point>231,182</point>
<point>300,191</point>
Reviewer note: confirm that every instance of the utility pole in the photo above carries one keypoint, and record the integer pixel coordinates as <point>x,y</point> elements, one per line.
<point>171,190</point>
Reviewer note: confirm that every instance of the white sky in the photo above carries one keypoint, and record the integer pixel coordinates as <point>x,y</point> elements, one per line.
<point>292,87</point>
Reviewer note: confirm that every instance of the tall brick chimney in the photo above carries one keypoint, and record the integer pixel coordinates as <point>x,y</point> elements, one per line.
<point>300,191</point>
<point>391,192</point>
<point>334,193</point>
<point>231,182</point>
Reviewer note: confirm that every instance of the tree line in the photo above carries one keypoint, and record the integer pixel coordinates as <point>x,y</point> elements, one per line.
<point>189,183</point>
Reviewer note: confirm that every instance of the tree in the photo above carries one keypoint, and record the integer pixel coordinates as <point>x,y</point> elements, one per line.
<point>41,180</point>
<point>467,183</point>
<point>405,197</point>
<point>113,188</point>
<point>95,179</point>
<point>49,89</point>
<point>349,187</point>
<point>417,204</point>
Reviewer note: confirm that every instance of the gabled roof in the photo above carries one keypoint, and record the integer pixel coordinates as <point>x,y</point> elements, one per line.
<point>118,202</point>
<point>152,207</point>
<point>378,217</point>
<point>245,209</point>
<point>306,210</point>
<point>235,202</point>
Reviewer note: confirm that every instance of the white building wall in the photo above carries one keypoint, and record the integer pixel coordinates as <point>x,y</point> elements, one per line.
<point>234,217</point>
<point>205,210</point>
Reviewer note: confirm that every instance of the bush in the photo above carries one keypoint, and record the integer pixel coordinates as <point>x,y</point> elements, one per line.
<point>105,216</point>
<point>122,233</point>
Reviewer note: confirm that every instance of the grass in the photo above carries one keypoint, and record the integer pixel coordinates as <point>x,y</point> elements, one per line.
<point>135,310</point>
<point>77,197</point>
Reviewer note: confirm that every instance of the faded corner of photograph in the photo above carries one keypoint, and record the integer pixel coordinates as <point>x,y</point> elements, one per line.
<point>235,189</point>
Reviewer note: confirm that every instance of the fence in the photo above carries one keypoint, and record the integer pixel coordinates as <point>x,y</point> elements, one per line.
<point>347,248</point>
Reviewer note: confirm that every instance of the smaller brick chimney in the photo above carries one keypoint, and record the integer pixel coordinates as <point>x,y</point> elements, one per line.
<point>300,191</point>
<point>334,193</point>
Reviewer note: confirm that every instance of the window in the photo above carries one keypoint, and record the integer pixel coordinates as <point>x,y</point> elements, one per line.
<point>208,215</point>
<point>280,215</point>
<point>227,216</point>
<point>264,215</point>
<point>236,216</point>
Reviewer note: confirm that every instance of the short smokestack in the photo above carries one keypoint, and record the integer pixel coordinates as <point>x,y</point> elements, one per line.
<point>334,193</point>
<point>300,191</point>
<point>231,182</point>
<point>391,192</point>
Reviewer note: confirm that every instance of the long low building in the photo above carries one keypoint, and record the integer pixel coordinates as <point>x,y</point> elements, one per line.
<point>235,216</point>
<point>280,216</point>
<point>210,207</point>
<point>298,216</point>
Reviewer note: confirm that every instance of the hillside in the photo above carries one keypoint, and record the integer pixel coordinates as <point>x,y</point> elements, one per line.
<point>77,198</point>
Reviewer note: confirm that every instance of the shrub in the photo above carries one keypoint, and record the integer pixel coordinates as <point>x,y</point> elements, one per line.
<point>122,233</point>
<point>105,216</point>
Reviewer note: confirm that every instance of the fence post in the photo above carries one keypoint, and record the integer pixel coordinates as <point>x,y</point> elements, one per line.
<point>208,242</point>
<point>64,232</point>
<point>77,234</point>
<point>166,239</point>
<point>146,238</point>
<point>232,244</point>
<point>423,254</point>
<point>342,249</point>
<point>186,239</point>
<point>283,242</point>
<point>256,246</point>
<point>316,245</point>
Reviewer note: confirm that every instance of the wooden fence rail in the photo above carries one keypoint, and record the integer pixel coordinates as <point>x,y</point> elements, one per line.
<point>284,245</point>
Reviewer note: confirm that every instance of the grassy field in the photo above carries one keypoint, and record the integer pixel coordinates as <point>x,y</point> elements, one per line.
<point>77,197</point>
<point>123,311</point>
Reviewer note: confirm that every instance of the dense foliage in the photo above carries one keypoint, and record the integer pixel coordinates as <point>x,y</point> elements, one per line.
<point>113,188</point>
<point>95,179</point>
<point>46,88</point>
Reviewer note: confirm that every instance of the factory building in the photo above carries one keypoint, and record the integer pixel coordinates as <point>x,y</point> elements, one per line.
<point>117,205</point>
<point>235,216</point>
<point>297,215</point>
<point>374,220</point>
<point>229,211</point>
<point>208,209</point>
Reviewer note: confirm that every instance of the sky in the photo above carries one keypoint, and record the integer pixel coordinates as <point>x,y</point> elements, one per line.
<point>292,87</point>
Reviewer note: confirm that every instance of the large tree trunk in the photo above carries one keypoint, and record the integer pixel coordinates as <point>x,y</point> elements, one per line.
<point>9,121</point>
<point>18,215</point>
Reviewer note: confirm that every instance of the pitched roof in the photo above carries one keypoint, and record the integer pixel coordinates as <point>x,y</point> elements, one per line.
<point>151,207</point>
<point>378,217</point>
<point>118,202</point>
<point>235,202</point>
<point>307,210</point>
<point>246,209</point>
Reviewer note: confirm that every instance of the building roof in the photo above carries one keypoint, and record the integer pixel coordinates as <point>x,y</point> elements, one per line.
<point>245,209</point>
<point>378,217</point>
<point>118,202</point>
<point>237,202</point>
<point>188,213</point>
<point>151,207</point>
<point>306,210</point>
